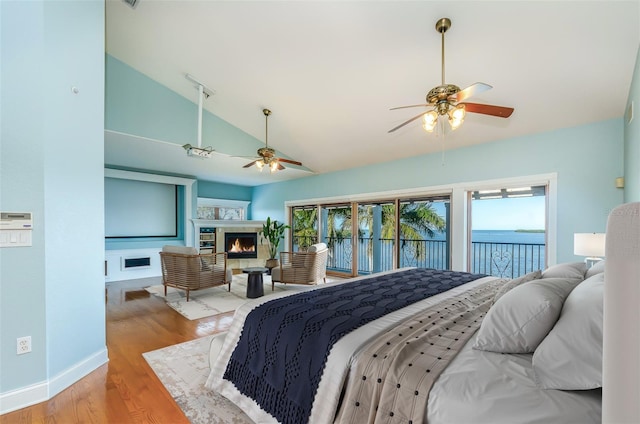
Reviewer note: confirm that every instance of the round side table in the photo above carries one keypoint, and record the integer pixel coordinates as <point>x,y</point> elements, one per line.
<point>255,287</point>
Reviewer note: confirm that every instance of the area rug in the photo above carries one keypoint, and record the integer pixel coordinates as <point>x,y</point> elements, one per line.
<point>183,369</point>
<point>216,300</point>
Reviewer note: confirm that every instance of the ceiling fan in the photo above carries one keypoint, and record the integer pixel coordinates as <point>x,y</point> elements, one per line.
<point>448,99</point>
<point>266,155</point>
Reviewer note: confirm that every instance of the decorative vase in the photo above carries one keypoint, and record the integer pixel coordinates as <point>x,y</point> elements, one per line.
<point>271,263</point>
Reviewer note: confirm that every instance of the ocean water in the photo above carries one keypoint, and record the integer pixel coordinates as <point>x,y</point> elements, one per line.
<point>503,253</point>
<point>506,236</point>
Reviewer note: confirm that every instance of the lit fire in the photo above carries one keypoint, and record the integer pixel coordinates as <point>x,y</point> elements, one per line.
<point>236,247</point>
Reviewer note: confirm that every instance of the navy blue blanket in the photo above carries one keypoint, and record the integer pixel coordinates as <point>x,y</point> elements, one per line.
<point>285,342</point>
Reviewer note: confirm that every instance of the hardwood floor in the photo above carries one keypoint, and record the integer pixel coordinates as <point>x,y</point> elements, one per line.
<point>126,390</point>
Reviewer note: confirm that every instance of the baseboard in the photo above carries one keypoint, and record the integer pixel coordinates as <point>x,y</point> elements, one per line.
<point>23,397</point>
<point>40,392</point>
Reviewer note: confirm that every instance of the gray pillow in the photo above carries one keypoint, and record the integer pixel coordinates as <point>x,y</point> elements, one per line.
<point>521,319</point>
<point>570,357</point>
<point>515,283</point>
<point>566,270</point>
<point>595,269</point>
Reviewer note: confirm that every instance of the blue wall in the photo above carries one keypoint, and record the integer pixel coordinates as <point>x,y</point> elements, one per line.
<point>214,190</point>
<point>51,164</point>
<point>140,106</point>
<point>587,160</point>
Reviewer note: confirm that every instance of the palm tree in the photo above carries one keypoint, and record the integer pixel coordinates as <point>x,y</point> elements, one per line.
<point>416,219</point>
<point>305,226</point>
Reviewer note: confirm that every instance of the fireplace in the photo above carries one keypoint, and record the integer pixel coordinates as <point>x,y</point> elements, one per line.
<point>241,245</point>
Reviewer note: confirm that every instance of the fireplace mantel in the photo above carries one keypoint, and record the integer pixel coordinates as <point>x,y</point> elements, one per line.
<point>223,223</point>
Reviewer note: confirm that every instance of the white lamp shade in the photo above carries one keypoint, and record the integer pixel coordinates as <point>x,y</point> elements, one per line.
<point>589,244</point>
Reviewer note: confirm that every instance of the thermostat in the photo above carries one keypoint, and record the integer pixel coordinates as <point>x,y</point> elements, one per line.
<point>15,229</point>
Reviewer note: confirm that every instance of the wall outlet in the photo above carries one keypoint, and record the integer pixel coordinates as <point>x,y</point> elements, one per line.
<point>24,345</point>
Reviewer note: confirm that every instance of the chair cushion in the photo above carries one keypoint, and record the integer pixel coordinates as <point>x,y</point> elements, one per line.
<point>183,250</point>
<point>316,247</point>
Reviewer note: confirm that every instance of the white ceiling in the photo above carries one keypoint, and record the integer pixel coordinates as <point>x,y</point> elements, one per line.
<point>331,70</point>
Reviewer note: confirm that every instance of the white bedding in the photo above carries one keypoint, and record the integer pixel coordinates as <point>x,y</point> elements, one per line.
<point>457,397</point>
<point>486,387</point>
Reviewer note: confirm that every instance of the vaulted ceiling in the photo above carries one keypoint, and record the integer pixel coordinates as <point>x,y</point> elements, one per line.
<point>331,70</point>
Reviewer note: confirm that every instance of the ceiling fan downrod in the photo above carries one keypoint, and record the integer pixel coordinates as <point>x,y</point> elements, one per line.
<point>442,26</point>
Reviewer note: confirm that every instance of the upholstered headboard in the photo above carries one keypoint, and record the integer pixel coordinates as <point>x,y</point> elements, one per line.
<point>621,347</point>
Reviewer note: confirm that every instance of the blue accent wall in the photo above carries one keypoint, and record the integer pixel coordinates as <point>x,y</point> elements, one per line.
<point>51,164</point>
<point>138,105</point>
<point>214,190</point>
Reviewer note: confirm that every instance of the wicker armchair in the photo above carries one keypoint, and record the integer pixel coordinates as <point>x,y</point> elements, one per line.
<point>183,268</point>
<point>302,267</point>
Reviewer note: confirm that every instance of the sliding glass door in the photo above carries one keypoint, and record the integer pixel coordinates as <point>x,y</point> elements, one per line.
<point>336,231</point>
<point>304,226</point>
<point>424,233</point>
<point>379,235</point>
<point>376,237</point>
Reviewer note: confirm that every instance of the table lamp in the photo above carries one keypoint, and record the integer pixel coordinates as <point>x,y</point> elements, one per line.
<point>590,245</point>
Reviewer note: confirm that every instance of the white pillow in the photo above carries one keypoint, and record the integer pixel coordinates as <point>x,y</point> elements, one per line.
<point>595,269</point>
<point>570,357</point>
<point>566,270</point>
<point>521,318</point>
<point>515,283</point>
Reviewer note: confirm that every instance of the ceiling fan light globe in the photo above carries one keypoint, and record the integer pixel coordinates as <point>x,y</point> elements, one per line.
<point>273,166</point>
<point>429,121</point>
<point>455,123</point>
<point>260,164</point>
<point>458,113</point>
<point>456,116</point>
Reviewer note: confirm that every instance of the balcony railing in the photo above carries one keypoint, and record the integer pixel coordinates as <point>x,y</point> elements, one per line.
<point>505,260</point>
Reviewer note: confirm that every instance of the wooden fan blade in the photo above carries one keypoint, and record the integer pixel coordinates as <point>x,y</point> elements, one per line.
<point>250,164</point>
<point>407,122</point>
<point>472,90</point>
<point>295,162</point>
<point>280,167</point>
<point>499,111</point>
<point>404,107</point>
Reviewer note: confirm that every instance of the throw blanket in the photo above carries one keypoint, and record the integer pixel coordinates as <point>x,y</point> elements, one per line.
<point>284,344</point>
<point>392,376</point>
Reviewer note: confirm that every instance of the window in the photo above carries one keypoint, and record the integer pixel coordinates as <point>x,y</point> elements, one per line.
<point>222,209</point>
<point>508,231</point>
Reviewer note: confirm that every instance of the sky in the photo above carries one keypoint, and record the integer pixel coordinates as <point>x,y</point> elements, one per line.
<point>523,213</point>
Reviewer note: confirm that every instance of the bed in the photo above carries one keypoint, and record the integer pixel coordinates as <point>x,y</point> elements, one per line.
<point>486,350</point>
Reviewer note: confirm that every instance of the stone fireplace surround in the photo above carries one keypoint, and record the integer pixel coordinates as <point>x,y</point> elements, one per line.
<point>232,226</point>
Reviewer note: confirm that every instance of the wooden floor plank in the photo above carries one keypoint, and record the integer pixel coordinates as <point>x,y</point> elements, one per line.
<point>125,390</point>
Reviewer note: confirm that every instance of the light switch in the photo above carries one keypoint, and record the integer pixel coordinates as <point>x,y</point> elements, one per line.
<point>15,238</point>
